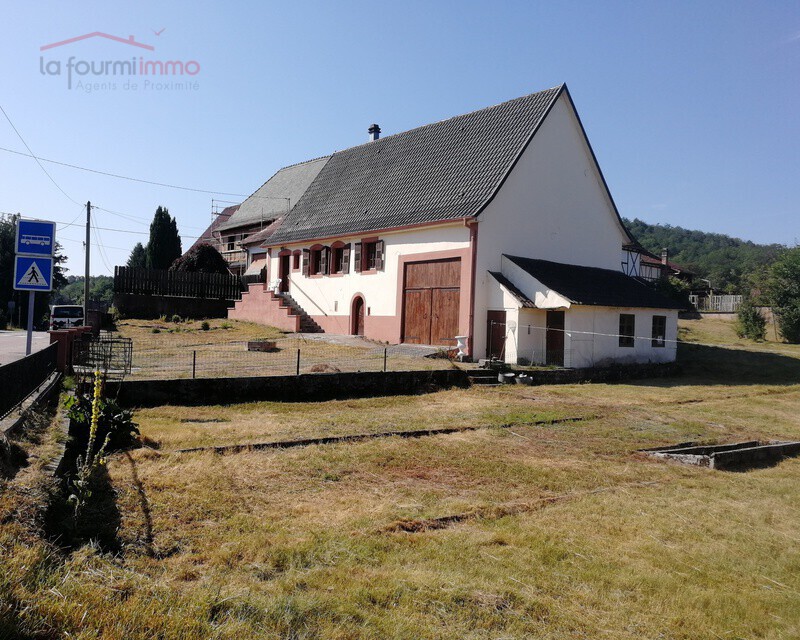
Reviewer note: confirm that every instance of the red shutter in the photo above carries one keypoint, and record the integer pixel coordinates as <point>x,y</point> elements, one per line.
<point>379,249</point>
<point>357,260</point>
<point>305,262</point>
<point>346,259</point>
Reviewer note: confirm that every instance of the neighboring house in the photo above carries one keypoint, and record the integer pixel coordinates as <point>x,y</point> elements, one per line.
<point>269,202</point>
<point>209,236</point>
<point>650,267</point>
<point>496,225</point>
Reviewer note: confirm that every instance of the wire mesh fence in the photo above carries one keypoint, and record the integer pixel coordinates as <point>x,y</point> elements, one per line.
<point>293,355</point>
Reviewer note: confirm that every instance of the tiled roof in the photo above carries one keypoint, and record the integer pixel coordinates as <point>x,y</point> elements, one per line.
<point>647,259</point>
<point>220,219</point>
<point>593,286</point>
<point>438,172</point>
<point>261,236</point>
<point>269,200</point>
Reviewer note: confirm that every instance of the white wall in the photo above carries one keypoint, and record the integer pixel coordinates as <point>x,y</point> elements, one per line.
<point>553,206</point>
<point>332,295</point>
<point>592,337</point>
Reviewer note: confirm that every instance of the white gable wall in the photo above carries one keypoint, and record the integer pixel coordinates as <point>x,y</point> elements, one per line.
<point>552,206</point>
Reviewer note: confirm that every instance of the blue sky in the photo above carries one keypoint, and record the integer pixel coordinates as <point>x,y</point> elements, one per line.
<point>693,109</point>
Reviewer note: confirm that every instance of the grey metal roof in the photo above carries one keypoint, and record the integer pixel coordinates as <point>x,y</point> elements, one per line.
<point>269,200</point>
<point>438,172</point>
<point>593,286</point>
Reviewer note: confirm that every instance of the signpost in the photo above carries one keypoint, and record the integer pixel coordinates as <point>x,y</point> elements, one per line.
<point>33,265</point>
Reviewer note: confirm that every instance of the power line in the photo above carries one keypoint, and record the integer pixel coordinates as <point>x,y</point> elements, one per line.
<point>140,233</point>
<point>41,166</point>
<point>100,250</point>
<point>73,220</point>
<point>109,174</point>
<point>138,219</point>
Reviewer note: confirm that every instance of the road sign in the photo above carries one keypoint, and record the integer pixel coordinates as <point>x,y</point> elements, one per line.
<point>33,273</point>
<point>36,237</point>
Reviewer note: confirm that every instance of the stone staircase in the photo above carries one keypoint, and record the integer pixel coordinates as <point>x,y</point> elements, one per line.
<point>262,305</point>
<point>307,324</point>
<point>483,377</point>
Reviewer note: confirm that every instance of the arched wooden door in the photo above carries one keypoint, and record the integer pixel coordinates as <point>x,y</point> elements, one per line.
<point>357,317</point>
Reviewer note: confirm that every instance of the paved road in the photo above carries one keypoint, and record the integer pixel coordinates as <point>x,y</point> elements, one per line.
<point>12,344</point>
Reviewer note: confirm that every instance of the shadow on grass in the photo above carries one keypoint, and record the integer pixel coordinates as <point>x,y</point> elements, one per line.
<point>706,365</point>
<point>98,522</point>
<point>144,504</point>
<point>12,459</point>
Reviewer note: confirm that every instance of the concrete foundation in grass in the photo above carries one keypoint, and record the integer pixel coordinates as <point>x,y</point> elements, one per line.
<point>739,455</point>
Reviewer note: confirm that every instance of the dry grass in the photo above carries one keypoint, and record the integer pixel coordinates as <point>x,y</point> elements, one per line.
<point>559,531</point>
<point>175,350</point>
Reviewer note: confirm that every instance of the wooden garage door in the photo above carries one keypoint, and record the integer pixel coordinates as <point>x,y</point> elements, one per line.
<point>430,301</point>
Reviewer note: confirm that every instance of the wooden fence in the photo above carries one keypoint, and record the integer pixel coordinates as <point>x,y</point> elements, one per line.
<point>20,378</point>
<point>181,284</point>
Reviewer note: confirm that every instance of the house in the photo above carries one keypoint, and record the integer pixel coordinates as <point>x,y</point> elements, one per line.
<point>209,236</point>
<point>271,201</point>
<point>496,226</point>
<point>651,267</point>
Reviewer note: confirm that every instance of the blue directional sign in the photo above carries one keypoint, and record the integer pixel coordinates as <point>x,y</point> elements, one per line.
<point>33,273</point>
<point>36,237</point>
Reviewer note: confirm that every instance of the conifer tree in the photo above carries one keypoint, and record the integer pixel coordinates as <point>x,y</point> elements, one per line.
<point>164,246</point>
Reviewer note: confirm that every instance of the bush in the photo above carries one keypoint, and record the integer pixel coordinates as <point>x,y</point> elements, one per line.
<point>114,423</point>
<point>205,326</point>
<point>201,259</point>
<point>750,323</point>
<point>176,319</point>
<point>155,330</point>
<point>784,293</point>
<point>788,317</point>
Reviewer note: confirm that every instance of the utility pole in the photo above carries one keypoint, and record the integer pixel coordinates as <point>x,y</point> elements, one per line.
<point>86,277</point>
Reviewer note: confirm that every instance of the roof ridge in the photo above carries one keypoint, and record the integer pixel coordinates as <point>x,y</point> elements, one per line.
<point>439,122</point>
<point>288,166</point>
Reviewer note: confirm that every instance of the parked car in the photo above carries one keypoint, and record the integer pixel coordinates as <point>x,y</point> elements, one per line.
<point>65,316</point>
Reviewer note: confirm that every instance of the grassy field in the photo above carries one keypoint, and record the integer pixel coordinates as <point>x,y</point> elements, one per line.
<point>164,349</point>
<point>529,526</point>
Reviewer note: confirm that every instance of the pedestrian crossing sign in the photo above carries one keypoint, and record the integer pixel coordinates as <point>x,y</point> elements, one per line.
<point>33,273</point>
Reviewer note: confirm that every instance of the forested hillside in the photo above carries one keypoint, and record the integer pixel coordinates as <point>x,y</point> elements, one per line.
<point>731,264</point>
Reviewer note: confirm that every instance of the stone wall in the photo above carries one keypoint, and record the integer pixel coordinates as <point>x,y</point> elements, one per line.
<point>302,388</point>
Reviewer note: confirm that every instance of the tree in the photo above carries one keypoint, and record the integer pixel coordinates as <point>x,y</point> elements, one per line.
<point>138,257</point>
<point>101,291</point>
<point>164,246</point>
<point>784,293</point>
<point>201,259</point>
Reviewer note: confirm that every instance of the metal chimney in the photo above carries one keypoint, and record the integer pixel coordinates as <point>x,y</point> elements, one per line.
<point>374,132</point>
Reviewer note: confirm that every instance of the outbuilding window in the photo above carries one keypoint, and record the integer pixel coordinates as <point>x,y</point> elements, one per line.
<point>627,329</point>
<point>659,331</point>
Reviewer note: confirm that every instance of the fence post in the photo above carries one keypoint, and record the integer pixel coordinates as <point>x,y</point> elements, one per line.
<point>194,364</point>
<point>385,350</point>
<point>298,362</point>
